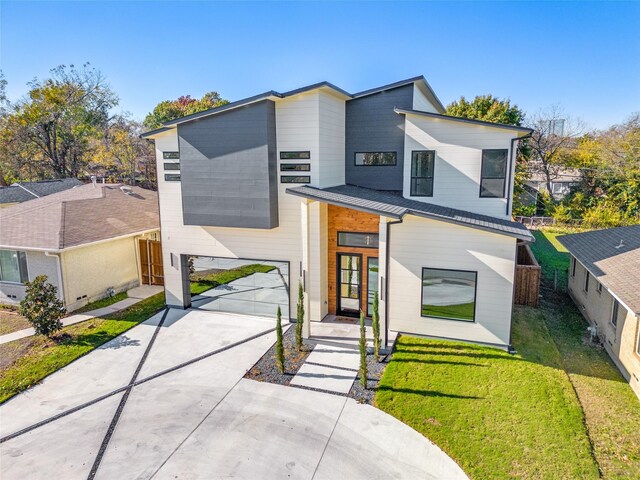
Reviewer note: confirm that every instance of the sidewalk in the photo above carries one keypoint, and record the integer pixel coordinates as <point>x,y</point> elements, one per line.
<point>134,296</point>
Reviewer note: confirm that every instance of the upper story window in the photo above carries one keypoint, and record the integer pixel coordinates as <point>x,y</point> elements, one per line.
<point>586,281</point>
<point>172,166</point>
<point>295,167</point>
<point>171,177</point>
<point>170,155</point>
<point>614,313</point>
<point>494,173</point>
<point>295,179</point>
<point>422,166</point>
<point>13,266</point>
<point>376,159</point>
<point>353,239</point>
<point>299,155</point>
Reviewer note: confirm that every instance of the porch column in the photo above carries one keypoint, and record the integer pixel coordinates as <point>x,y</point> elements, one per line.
<point>317,272</point>
<point>382,281</point>
<point>304,223</point>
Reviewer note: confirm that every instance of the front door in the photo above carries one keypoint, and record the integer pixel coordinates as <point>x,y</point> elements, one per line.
<point>349,284</point>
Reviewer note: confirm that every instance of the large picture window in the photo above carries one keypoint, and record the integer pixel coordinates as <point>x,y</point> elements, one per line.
<point>376,159</point>
<point>13,266</point>
<point>449,294</point>
<point>422,165</point>
<point>494,172</point>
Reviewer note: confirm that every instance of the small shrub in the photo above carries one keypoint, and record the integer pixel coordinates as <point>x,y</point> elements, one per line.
<point>375,325</point>
<point>362,344</point>
<point>279,345</point>
<point>605,216</point>
<point>300,316</point>
<point>42,307</point>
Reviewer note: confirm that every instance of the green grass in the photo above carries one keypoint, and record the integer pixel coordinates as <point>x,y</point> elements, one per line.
<point>203,282</point>
<point>461,311</point>
<point>498,415</point>
<point>28,360</point>
<point>551,255</point>
<point>105,302</point>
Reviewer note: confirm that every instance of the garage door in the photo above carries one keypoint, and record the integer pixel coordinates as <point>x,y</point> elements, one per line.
<point>250,287</point>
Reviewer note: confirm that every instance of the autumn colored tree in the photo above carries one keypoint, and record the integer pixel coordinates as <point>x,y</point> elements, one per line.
<point>182,106</point>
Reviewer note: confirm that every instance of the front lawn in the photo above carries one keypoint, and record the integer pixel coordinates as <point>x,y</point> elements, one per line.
<point>27,361</point>
<point>498,415</point>
<point>104,302</point>
<point>208,279</point>
<point>11,321</point>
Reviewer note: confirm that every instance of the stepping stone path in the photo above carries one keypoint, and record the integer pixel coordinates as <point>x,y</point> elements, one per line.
<point>329,368</point>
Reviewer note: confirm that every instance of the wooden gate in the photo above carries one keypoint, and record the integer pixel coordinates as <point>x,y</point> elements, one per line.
<point>527,281</point>
<point>151,262</point>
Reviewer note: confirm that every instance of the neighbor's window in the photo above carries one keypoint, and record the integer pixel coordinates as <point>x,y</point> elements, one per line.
<point>172,166</point>
<point>586,281</point>
<point>373,159</point>
<point>638,340</point>
<point>599,287</point>
<point>306,155</point>
<point>352,239</point>
<point>494,172</point>
<point>614,313</point>
<point>295,167</point>
<point>573,266</point>
<point>13,266</point>
<point>295,179</point>
<point>422,165</point>
<point>172,177</point>
<point>449,294</point>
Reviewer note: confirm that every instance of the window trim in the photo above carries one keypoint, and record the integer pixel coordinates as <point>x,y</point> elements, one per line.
<point>22,262</point>
<point>308,165</point>
<point>282,178</point>
<point>615,308</point>
<point>297,155</point>
<point>394,164</point>
<point>599,288</point>
<point>475,294</point>
<point>585,285</point>
<point>411,177</point>
<point>506,168</point>
<point>377,234</point>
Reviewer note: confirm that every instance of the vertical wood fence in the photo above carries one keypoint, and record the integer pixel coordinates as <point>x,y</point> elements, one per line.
<point>527,288</point>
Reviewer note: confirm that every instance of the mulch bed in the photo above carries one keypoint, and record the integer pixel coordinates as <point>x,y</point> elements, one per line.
<point>266,370</point>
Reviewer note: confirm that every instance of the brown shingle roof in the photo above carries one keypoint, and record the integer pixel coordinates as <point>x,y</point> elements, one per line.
<point>78,216</point>
<point>613,257</point>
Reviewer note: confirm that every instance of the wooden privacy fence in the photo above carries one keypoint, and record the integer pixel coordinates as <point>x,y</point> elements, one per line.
<point>527,288</point>
<point>151,262</point>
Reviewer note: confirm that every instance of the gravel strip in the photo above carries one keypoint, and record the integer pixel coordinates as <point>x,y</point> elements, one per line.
<point>374,374</point>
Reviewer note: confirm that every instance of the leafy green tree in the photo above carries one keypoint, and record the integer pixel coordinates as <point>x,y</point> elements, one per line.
<point>300,316</point>
<point>185,105</point>
<point>375,325</point>
<point>42,307</point>
<point>279,345</point>
<point>362,346</point>
<point>486,108</point>
<point>51,132</point>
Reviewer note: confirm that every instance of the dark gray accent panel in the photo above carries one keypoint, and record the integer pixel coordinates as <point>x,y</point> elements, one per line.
<point>186,283</point>
<point>373,126</point>
<point>229,168</point>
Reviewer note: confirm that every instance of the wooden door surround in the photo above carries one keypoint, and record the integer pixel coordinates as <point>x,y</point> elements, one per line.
<point>342,219</point>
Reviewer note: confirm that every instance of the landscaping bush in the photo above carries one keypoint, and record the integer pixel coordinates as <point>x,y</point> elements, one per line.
<point>42,307</point>
<point>279,345</point>
<point>300,316</point>
<point>375,325</point>
<point>362,345</point>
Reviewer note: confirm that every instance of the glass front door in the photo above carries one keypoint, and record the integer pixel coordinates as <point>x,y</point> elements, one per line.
<point>349,284</point>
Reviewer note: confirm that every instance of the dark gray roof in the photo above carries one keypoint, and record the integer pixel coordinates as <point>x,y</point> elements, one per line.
<point>273,93</point>
<point>22,191</point>
<point>613,257</point>
<point>394,205</point>
<point>463,120</point>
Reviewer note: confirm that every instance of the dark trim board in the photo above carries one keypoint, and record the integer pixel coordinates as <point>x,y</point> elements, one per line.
<point>339,284</point>
<point>475,294</point>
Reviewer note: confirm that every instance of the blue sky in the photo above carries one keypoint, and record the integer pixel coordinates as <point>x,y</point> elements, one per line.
<point>583,56</point>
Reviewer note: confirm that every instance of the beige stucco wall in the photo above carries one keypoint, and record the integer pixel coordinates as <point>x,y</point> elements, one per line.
<point>620,341</point>
<point>89,271</point>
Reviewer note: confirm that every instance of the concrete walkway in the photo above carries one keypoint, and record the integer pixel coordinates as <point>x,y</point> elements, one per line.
<point>133,296</point>
<point>168,400</point>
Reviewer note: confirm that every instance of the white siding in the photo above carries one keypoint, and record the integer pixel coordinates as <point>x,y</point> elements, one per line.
<point>458,162</point>
<point>332,142</point>
<point>420,101</point>
<point>419,243</point>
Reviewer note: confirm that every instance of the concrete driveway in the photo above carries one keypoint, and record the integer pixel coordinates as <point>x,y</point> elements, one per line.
<point>168,400</point>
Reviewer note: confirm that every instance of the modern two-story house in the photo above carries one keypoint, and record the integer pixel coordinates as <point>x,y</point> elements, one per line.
<point>347,194</point>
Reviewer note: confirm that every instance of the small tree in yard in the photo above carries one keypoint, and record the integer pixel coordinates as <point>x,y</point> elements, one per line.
<point>375,325</point>
<point>300,316</point>
<point>42,307</point>
<point>279,346</point>
<point>363,351</point>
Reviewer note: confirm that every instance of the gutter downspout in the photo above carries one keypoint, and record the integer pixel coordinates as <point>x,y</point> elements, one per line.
<point>386,281</point>
<point>511,165</point>
<point>59,263</point>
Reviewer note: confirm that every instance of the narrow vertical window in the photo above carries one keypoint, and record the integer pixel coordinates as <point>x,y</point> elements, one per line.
<point>586,281</point>
<point>614,313</point>
<point>422,167</point>
<point>493,173</point>
<point>573,266</point>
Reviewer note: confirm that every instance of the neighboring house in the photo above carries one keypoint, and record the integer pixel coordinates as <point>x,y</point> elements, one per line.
<point>23,191</point>
<point>604,282</point>
<point>349,194</point>
<point>86,240</point>
<point>561,183</point>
